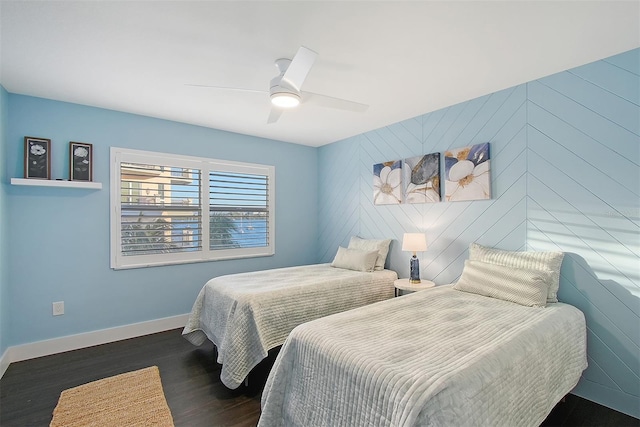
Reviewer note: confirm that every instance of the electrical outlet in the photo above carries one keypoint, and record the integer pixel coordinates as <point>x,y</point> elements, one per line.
<point>58,308</point>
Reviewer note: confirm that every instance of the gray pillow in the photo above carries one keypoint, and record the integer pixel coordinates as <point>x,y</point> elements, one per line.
<point>382,246</point>
<point>355,259</point>
<point>520,285</point>
<point>545,261</point>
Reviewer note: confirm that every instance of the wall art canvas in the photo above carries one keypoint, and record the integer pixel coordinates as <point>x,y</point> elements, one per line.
<point>387,183</point>
<point>80,161</point>
<point>37,158</point>
<point>421,177</point>
<point>467,173</point>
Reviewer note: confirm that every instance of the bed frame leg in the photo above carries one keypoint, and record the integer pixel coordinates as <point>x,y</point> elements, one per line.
<point>246,381</point>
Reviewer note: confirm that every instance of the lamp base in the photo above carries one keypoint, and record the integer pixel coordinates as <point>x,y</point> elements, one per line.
<point>414,270</point>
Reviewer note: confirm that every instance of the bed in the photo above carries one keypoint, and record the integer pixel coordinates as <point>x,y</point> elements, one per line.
<point>448,356</point>
<point>247,314</point>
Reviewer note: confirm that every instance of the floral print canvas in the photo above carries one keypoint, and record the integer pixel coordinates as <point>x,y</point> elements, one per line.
<point>80,161</point>
<point>387,183</point>
<point>467,173</point>
<point>421,176</point>
<point>37,158</point>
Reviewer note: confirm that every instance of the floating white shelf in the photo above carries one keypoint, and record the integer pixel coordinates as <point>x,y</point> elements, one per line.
<point>56,183</point>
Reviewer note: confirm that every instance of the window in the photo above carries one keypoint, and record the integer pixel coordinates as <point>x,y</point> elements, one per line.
<point>169,209</point>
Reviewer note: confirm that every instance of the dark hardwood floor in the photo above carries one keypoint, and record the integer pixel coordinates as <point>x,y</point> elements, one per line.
<point>29,390</point>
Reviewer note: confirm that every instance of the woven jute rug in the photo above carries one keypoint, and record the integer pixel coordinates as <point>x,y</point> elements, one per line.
<point>131,399</point>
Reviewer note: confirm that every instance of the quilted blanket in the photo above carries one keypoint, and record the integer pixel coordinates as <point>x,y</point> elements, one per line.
<point>439,357</point>
<point>247,314</point>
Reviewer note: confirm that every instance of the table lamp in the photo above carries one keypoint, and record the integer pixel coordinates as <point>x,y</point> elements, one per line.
<point>414,242</point>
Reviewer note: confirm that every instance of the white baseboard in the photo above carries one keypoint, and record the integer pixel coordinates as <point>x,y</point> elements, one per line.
<point>88,339</point>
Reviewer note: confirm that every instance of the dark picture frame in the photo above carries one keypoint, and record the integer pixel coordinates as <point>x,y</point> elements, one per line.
<point>37,158</point>
<point>80,161</point>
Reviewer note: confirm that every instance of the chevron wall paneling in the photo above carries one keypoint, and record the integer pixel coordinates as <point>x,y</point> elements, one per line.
<point>338,196</point>
<point>499,118</point>
<point>584,199</point>
<point>565,165</point>
<point>394,142</point>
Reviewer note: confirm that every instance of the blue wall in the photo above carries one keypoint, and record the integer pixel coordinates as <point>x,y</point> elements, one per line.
<point>584,199</point>
<point>565,164</point>
<point>4,242</point>
<point>60,237</point>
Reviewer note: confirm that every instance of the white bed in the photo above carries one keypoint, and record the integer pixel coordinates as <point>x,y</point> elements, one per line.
<point>440,357</point>
<point>495,349</point>
<point>245,315</point>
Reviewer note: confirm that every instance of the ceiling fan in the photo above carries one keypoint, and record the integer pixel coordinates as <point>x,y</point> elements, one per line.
<point>285,89</point>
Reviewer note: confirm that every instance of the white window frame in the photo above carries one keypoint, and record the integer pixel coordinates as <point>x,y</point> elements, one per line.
<point>205,165</point>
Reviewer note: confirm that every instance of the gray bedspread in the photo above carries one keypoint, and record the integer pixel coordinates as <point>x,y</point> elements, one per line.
<point>439,357</point>
<point>247,314</point>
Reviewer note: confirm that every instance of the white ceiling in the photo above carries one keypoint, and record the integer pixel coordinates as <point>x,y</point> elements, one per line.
<point>404,59</point>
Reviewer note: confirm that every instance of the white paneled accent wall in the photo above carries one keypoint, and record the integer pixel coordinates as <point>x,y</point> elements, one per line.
<point>584,199</point>
<point>346,192</point>
<point>565,165</point>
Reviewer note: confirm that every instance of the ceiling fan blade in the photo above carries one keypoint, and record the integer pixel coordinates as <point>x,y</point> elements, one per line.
<point>331,102</point>
<point>228,88</point>
<point>299,68</point>
<point>274,115</point>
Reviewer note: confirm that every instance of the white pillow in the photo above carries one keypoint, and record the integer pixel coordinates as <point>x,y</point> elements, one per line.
<point>545,261</point>
<point>520,285</point>
<point>382,246</point>
<point>354,259</point>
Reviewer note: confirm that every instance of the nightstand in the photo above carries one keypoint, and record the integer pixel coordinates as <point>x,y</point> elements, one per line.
<point>405,285</point>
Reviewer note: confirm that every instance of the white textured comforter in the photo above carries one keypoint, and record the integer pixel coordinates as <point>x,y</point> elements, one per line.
<point>245,315</point>
<point>440,357</point>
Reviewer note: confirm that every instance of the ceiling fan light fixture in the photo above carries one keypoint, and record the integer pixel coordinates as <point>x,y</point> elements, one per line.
<point>285,99</point>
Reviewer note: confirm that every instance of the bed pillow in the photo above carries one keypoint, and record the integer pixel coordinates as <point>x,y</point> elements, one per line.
<point>545,261</point>
<point>520,285</point>
<point>382,246</point>
<point>355,259</point>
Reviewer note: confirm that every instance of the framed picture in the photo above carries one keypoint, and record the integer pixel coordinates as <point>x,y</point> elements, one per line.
<point>80,161</point>
<point>37,158</point>
<point>387,183</point>
<point>422,178</point>
<point>468,173</point>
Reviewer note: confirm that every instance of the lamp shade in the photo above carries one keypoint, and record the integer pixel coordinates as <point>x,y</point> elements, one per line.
<point>414,242</point>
